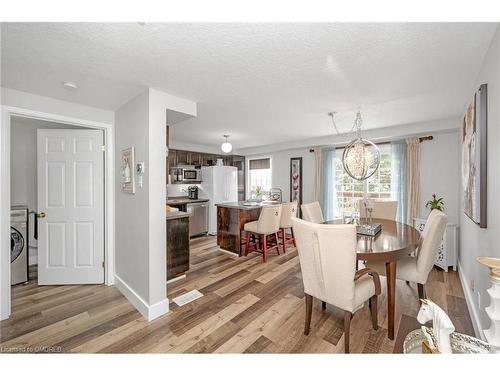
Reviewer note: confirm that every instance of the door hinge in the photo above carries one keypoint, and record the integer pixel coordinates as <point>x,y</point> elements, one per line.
<point>102,264</point>
<point>103,148</point>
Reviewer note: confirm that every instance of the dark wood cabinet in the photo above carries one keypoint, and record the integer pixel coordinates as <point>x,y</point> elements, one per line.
<point>177,247</point>
<point>182,157</point>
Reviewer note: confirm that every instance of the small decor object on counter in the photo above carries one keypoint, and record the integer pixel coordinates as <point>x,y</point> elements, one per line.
<point>296,182</point>
<point>127,170</point>
<point>258,192</point>
<point>442,327</point>
<point>220,162</point>
<point>492,334</point>
<point>435,203</point>
<point>474,157</point>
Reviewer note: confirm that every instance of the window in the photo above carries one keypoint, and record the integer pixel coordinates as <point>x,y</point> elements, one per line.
<point>259,177</point>
<point>349,190</point>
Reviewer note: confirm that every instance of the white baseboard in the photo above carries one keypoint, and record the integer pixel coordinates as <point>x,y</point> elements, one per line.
<point>471,306</point>
<point>150,312</point>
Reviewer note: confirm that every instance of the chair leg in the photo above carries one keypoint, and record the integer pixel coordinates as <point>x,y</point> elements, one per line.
<point>347,329</point>
<point>264,247</point>
<point>247,243</point>
<point>277,243</point>
<point>373,310</point>
<point>323,305</point>
<point>293,237</point>
<point>309,305</point>
<point>421,291</point>
<point>283,244</point>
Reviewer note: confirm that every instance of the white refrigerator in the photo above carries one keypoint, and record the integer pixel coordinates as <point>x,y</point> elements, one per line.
<point>220,185</point>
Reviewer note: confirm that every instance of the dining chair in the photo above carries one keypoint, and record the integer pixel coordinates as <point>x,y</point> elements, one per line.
<point>288,211</point>
<point>416,269</point>
<point>327,255</point>
<point>312,212</point>
<point>267,225</point>
<point>382,209</point>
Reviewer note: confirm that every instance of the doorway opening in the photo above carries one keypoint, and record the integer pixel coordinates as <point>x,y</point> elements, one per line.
<point>57,204</point>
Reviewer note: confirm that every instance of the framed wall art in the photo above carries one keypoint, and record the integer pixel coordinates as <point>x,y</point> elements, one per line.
<point>127,170</point>
<point>474,158</point>
<point>296,182</point>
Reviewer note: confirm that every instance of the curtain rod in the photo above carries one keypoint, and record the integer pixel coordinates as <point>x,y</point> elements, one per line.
<point>421,139</point>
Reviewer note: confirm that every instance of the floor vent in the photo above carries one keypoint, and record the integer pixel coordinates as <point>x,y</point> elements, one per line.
<point>187,297</point>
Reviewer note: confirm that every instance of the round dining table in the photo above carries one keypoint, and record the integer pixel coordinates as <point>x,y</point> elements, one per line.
<point>395,241</point>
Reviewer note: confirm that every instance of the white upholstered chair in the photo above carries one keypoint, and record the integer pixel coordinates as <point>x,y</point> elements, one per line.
<point>267,225</point>
<point>288,211</point>
<point>327,255</point>
<point>382,209</point>
<point>312,212</point>
<point>416,269</point>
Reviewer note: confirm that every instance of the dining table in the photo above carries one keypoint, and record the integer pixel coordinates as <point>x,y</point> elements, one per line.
<point>395,241</point>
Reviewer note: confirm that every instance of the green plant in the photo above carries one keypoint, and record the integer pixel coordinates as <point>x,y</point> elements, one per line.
<point>435,204</point>
<point>258,191</point>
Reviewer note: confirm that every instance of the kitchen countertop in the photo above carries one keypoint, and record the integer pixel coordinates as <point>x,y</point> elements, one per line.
<point>183,200</point>
<point>241,206</point>
<point>172,215</point>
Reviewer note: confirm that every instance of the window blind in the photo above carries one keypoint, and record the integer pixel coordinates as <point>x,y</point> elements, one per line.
<point>260,163</point>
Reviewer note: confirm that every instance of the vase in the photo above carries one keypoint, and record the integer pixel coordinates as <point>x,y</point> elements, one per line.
<point>492,334</point>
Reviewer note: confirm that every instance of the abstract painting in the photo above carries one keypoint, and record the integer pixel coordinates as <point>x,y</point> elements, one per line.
<point>296,181</point>
<point>474,157</point>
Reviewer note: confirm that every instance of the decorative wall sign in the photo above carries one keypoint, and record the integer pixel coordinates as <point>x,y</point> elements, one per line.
<point>127,170</point>
<point>296,182</point>
<point>474,157</point>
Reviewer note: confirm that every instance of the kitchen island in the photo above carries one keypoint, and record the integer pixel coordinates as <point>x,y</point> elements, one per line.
<point>177,243</point>
<point>231,218</point>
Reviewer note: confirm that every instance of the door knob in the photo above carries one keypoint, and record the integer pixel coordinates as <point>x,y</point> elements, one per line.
<point>40,215</point>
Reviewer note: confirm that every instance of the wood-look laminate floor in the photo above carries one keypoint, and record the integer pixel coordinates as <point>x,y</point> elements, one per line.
<point>248,307</point>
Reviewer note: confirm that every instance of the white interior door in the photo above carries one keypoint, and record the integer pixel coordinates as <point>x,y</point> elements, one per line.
<point>70,183</point>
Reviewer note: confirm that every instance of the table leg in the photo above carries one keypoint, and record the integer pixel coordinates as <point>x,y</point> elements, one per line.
<point>390,272</point>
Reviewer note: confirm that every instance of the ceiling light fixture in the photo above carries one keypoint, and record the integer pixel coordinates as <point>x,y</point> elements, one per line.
<point>361,157</point>
<point>70,85</point>
<point>226,147</point>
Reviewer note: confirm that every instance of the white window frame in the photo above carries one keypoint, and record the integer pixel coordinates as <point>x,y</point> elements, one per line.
<point>247,183</point>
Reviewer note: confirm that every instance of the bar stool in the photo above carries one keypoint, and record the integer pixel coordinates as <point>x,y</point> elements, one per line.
<point>267,225</point>
<point>288,210</point>
<point>312,212</point>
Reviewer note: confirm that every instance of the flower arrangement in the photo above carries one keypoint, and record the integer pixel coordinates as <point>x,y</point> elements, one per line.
<point>259,191</point>
<point>435,203</point>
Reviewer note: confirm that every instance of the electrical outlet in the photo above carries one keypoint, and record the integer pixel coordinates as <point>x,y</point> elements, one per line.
<point>472,285</point>
<point>478,300</point>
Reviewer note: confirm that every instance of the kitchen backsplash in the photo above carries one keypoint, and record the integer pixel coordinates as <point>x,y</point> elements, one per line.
<point>181,190</point>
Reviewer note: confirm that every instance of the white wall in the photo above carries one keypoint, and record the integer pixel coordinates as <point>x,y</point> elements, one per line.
<point>474,240</point>
<point>23,168</point>
<point>140,218</point>
<point>280,164</point>
<point>440,173</point>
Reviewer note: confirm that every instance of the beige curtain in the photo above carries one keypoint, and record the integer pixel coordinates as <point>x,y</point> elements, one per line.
<point>413,178</point>
<point>317,182</point>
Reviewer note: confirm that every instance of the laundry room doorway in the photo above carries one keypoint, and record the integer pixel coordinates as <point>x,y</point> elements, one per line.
<point>59,227</point>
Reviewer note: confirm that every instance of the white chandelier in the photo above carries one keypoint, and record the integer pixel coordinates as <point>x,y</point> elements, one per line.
<point>226,147</point>
<point>361,157</point>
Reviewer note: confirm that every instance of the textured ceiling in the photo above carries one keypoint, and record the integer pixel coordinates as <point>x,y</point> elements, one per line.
<point>260,83</point>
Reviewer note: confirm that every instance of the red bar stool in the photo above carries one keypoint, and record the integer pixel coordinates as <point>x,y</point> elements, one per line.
<point>267,225</point>
<point>288,211</point>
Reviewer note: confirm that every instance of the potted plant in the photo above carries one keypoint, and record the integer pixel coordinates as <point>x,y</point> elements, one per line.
<point>258,192</point>
<point>435,203</point>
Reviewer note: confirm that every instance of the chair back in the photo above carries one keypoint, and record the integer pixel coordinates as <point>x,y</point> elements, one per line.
<point>312,212</point>
<point>327,255</point>
<point>431,240</point>
<point>382,209</point>
<point>288,210</point>
<point>269,219</point>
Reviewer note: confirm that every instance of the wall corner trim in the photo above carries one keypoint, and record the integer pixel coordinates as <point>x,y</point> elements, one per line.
<point>150,312</point>
<point>478,329</point>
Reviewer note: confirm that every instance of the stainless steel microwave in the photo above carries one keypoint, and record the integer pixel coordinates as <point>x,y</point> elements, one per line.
<point>186,174</point>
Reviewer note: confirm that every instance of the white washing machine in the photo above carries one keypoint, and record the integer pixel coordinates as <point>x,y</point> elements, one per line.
<point>18,244</point>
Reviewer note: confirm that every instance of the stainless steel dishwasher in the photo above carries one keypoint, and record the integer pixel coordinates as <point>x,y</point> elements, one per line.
<point>198,221</point>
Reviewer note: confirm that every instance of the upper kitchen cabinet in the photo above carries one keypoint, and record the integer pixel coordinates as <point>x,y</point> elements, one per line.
<point>183,157</point>
<point>195,158</point>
